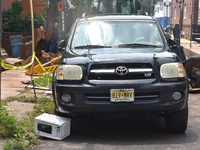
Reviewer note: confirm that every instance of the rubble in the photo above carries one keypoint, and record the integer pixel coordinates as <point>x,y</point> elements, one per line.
<point>44,58</point>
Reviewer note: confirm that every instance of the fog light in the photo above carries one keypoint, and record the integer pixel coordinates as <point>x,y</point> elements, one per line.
<point>66,98</point>
<point>176,96</point>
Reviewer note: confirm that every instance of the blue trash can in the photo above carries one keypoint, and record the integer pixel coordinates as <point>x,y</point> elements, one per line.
<point>16,48</point>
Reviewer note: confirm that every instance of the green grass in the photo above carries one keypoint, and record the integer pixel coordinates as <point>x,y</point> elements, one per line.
<point>20,131</point>
<point>44,80</point>
<point>26,90</point>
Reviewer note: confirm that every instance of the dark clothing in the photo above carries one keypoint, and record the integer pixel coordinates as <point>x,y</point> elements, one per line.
<point>173,30</point>
<point>55,36</point>
<point>51,45</point>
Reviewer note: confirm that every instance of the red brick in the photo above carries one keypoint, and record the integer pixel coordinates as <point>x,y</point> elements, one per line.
<point>7,4</point>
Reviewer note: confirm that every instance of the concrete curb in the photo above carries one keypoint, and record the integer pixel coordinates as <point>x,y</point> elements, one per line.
<point>190,52</point>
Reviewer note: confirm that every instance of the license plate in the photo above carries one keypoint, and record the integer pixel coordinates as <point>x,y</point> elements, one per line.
<point>122,95</point>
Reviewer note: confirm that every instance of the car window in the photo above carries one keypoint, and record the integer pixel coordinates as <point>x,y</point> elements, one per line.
<point>114,6</point>
<point>117,33</point>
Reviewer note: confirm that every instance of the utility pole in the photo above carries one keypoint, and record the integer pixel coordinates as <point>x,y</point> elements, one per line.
<point>191,17</point>
<point>151,9</point>
<point>0,43</point>
<point>181,3</point>
<point>0,23</point>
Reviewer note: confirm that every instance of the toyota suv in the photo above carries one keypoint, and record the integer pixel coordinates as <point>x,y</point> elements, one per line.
<point>121,64</point>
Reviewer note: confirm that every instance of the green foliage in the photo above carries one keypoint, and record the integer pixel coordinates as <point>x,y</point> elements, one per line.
<point>44,80</point>
<point>26,90</point>
<point>45,3</point>
<point>24,142</point>
<point>8,125</point>
<point>39,100</point>
<point>17,7</point>
<point>14,20</point>
<point>20,132</point>
<point>11,145</point>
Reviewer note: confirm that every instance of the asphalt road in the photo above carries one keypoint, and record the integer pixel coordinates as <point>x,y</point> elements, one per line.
<point>140,132</point>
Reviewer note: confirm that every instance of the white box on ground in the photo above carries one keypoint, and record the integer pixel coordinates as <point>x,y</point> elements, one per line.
<point>52,126</point>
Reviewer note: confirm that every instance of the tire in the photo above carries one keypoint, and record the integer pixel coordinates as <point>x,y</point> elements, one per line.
<point>177,121</point>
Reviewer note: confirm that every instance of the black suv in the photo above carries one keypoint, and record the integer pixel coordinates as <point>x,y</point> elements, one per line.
<point>121,64</point>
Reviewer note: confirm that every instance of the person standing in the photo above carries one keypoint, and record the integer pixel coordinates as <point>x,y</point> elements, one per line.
<point>173,30</point>
<point>53,42</point>
<point>182,34</point>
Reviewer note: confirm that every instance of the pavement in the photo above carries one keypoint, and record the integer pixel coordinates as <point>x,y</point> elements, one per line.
<point>190,48</point>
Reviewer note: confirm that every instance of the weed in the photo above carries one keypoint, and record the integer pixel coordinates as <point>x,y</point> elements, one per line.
<point>26,90</point>
<point>45,80</point>
<point>8,123</point>
<point>8,145</point>
<point>20,132</point>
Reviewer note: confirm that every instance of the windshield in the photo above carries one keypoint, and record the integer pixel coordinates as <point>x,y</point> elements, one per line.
<point>119,34</point>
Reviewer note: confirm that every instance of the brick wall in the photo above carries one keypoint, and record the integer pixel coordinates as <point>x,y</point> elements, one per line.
<point>37,9</point>
<point>7,4</point>
<point>191,7</point>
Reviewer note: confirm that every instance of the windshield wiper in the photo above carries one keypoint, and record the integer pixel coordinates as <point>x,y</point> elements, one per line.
<point>91,46</point>
<point>138,44</point>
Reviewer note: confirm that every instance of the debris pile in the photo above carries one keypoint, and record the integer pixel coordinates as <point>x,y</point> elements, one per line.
<point>43,58</point>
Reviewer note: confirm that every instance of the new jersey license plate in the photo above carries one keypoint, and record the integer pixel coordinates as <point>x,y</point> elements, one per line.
<point>122,95</point>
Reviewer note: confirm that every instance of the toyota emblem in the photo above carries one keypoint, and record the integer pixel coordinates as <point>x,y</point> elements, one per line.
<point>121,70</point>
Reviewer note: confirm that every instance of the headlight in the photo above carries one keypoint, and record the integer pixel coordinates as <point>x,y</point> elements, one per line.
<point>69,72</point>
<point>172,70</point>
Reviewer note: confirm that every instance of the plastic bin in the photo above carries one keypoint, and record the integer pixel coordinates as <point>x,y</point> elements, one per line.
<point>15,38</point>
<point>16,48</point>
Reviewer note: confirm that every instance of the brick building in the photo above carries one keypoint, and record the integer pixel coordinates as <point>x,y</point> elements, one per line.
<point>7,4</point>
<point>182,12</point>
<point>37,5</point>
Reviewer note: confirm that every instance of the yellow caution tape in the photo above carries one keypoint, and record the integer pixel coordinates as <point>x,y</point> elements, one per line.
<point>2,50</point>
<point>8,66</point>
<point>42,87</point>
<point>39,63</point>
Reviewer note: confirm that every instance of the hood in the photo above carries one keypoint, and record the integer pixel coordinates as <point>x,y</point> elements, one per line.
<point>120,57</point>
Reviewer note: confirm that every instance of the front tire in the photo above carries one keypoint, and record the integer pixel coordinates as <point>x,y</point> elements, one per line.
<point>177,121</point>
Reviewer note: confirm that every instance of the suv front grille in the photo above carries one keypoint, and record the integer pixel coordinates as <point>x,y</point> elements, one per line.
<point>109,71</point>
<point>105,97</point>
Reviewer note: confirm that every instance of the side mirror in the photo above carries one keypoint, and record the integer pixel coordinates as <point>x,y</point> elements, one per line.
<point>61,45</point>
<point>172,43</point>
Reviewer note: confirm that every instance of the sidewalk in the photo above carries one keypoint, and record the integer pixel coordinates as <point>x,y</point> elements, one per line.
<point>192,50</point>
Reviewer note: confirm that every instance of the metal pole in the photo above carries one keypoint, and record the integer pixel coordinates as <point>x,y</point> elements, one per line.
<point>0,44</point>
<point>151,7</point>
<point>191,30</point>
<point>181,3</point>
<point>135,6</point>
<point>33,46</point>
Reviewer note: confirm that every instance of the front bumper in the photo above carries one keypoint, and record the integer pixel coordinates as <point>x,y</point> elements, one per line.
<point>94,97</point>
